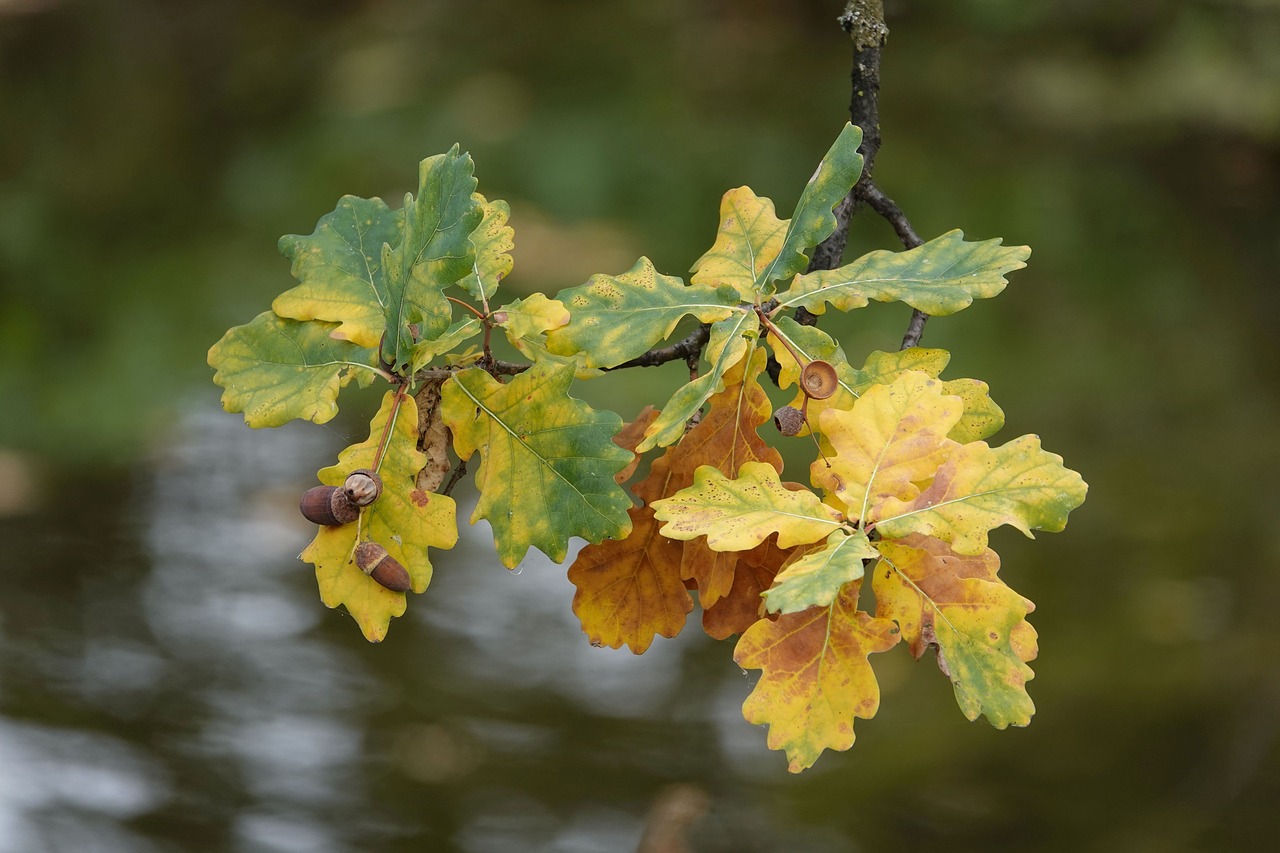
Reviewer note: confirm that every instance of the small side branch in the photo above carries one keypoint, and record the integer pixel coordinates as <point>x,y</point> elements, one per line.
<point>887,208</point>
<point>689,350</point>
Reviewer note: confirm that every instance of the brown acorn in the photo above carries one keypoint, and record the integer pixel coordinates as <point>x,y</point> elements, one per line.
<point>328,505</point>
<point>375,562</point>
<point>789,420</point>
<point>818,380</point>
<point>362,487</point>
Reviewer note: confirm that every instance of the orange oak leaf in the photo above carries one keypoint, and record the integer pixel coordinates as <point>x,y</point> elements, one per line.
<point>956,604</point>
<point>816,677</point>
<point>630,589</point>
<point>629,437</point>
<point>740,607</point>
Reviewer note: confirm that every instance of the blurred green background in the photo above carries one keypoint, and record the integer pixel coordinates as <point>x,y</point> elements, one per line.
<point>168,680</point>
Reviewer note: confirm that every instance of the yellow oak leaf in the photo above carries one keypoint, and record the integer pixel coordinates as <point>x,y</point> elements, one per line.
<point>816,677</point>
<point>893,437</point>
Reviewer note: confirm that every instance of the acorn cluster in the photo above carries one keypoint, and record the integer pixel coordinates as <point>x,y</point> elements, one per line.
<point>334,506</point>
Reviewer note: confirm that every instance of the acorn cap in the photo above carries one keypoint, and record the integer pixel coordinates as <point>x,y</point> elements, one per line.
<point>328,505</point>
<point>362,487</point>
<point>818,380</point>
<point>789,420</point>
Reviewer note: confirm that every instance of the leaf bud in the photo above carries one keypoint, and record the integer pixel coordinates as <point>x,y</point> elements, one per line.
<point>789,420</point>
<point>328,505</point>
<point>375,562</point>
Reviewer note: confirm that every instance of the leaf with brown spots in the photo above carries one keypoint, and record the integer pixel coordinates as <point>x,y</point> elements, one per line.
<point>957,605</point>
<point>629,590</point>
<point>816,677</point>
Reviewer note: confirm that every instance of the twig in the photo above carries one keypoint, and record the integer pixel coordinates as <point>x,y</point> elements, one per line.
<point>458,472</point>
<point>887,208</point>
<point>690,347</point>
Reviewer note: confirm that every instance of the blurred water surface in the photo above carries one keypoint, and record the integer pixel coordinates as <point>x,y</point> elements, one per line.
<point>168,677</point>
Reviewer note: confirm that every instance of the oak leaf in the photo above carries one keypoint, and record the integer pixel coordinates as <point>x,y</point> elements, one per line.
<point>816,576</point>
<point>741,607</point>
<point>813,220</point>
<point>732,340</point>
<point>939,277</point>
<point>957,605</point>
<point>980,488</point>
<point>274,370</point>
<point>747,242</point>
<point>547,460</point>
<point>893,437</point>
<point>816,677</point>
<point>616,318</point>
<point>629,590</point>
<point>339,267</point>
<point>737,514</point>
<point>491,242</point>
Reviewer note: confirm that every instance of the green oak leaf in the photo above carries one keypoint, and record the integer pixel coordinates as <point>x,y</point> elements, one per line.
<point>957,605</point>
<point>740,513</point>
<point>980,488</point>
<point>616,318</point>
<point>812,222</point>
<point>339,266</point>
<point>531,318</point>
<point>816,576</point>
<point>940,277</point>
<point>748,241</point>
<point>492,242</point>
<point>731,340</point>
<point>547,460</point>
<point>436,252</point>
<point>404,520</point>
<point>275,370</point>
<point>982,418</point>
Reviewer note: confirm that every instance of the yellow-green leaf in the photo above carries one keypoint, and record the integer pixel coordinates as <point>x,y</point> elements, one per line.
<point>982,418</point>
<point>737,514</point>
<point>748,241</point>
<point>275,370</point>
<point>547,460</point>
<point>436,252</point>
<point>957,605</point>
<point>339,267</point>
<point>980,488</point>
<point>731,340</point>
<point>404,520</point>
<point>812,222</point>
<point>424,351</point>
<point>816,678</point>
<point>893,437</point>
<point>492,242</point>
<point>616,318</point>
<point>527,321</point>
<point>940,277</point>
<point>816,576</point>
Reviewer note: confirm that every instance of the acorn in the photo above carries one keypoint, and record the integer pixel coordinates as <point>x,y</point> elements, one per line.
<point>375,562</point>
<point>789,420</point>
<point>362,487</point>
<point>328,505</point>
<point>819,380</point>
